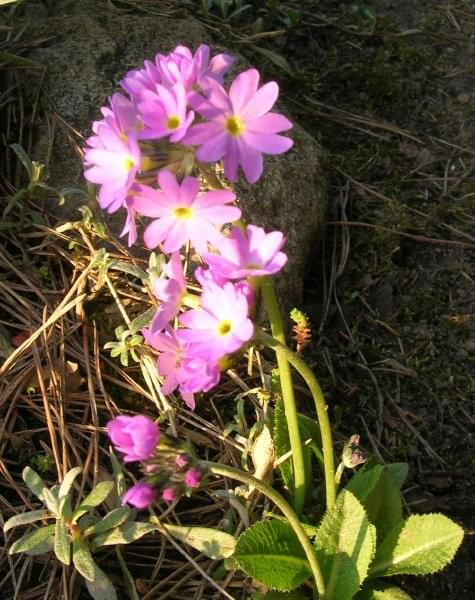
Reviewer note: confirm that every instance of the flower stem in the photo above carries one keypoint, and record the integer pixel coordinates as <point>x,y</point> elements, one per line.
<point>320,405</point>
<point>283,506</point>
<point>288,396</point>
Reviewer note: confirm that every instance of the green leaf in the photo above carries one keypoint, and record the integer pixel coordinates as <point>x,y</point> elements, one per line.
<point>82,560</point>
<point>270,552</point>
<point>17,149</point>
<point>113,519</point>
<point>32,539</point>
<point>423,544</point>
<point>34,482</point>
<point>67,482</point>
<point>398,472</point>
<point>275,58</point>
<point>94,498</point>
<point>142,320</point>
<point>26,518</point>
<point>345,546</point>
<point>295,595</point>
<point>124,534</point>
<point>382,593</point>
<point>280,436</point>
<point>101,587</point>
<point>118,473</point>
<point>6,58</point>
<point>43,548</point>
<point>362,484</point>
<point>213,543</point>
<point>62,542</point>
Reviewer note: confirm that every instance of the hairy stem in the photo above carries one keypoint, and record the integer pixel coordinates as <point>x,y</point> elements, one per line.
<point>283,506</point>
<point>288,396</point>
<point>327,444</point>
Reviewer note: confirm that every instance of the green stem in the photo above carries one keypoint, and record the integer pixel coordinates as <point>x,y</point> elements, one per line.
<point>320,405</point>
<point>283,506</point>
<point>288,397</point>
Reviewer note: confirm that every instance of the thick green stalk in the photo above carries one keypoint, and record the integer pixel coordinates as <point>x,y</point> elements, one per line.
<point>320,405</point>
<point>288,396</point>
<point>283,506</point>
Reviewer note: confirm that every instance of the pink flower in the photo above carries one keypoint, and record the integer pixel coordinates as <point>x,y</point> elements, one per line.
<point>121,116</point>
<point>136,437</point>
<point>255,255</point>
<point>182,460</point>
<point>138,80</point>
<point>220,326</point>
<point>170,291</point>
<point>181,215</point>
<point>193,477</point>
<point>164,113</point>
<point>139,495</point>
<point>240,126</point>
<point>113,161</point>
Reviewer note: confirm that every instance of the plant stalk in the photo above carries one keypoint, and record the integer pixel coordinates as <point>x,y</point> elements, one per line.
<point>288,396</point>
<point>283,506</point>
<point>321,407</point>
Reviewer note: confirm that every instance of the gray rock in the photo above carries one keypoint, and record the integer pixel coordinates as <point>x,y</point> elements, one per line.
<point>91,48</point>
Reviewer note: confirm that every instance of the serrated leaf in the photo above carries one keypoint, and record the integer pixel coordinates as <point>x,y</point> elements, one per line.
<point>124,534</point>
<point>101,587</point>
<point>270,552</point>
<point>26,518</point>
<point>113,519</point>
<point>423,544</point>
<point>214,544</point>
<point>345,546</point>
<point>62,542</point>
<point>94,498</point>
<point>82,560</point>
<point>34,482</point>
<point>32,539</point>
<point>382,593</point>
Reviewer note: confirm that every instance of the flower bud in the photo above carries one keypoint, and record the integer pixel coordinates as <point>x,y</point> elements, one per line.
<point>136,437</point>
<point>139,495</point>
<point>193,477</point>
<point>182,460</point>
<point>168,494</point>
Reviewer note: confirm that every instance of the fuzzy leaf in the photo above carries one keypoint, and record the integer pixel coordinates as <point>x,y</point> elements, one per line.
<point>142,320</point>
<point>214,544</point>
<point>280,435</point>
<point>295,595</point>
<point>364,481</point>
<point>119,476</point>
<point>345,545</point>
<point>124,534</point>
<point>113,519</point>
<point>67,482</point>
<point>83,560</point>
<point>43,548</point>
<point>94,498</point>
<point>26,518</point>
<point>32,539</point>
<point>34,482</point>
<point>269,551</point>
<point>62,543</point>
<point>421,545</point>
<point>383,593</point>
<point>101,587</point>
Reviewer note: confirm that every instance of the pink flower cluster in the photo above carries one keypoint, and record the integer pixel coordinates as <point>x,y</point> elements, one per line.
<point>179,100</point>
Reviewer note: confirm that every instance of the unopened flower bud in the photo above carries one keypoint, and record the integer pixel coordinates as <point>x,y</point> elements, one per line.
<point>352,454</point>
<point>193,477</point>
<point>182,460</point>
<point>168,494</point>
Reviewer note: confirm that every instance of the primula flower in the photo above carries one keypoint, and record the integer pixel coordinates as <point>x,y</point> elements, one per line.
<point>122,115</point>
<point>164,113</point>
<point>139,495</point>
<point>240,127</point>
<point>138,80</point>
<point>113,161</point>
<point>170,291</point>
<point>136,437</point>
<point>220,326</point>
<point>181,215</point>
<point>254,254</point>
<point>192,70</point>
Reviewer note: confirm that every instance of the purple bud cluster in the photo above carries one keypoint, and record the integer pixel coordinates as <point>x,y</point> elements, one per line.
<point>168,471</point>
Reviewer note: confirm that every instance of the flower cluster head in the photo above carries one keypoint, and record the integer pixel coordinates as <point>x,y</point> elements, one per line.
<point>148,155</point>
<point>169,470</point>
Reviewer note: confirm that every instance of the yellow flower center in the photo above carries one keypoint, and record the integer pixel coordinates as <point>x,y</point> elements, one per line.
<point>123,136</point>
<point>224,327</point>
<point>128,163</point>
<point>234,126</point>
<point>173,122</point>
<point>183,212</point>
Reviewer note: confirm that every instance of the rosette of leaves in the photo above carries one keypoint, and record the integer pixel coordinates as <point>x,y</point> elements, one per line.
<point>73,534</point>
<point>363,539</point>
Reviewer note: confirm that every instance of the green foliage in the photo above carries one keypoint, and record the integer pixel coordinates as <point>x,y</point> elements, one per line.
<point>26,518</point>
<point>62,542</point>
<point>345,545</point>
<point>421,545</point>
<point>270,552</point>
<point>294,595</point>
<point>211,542</point>
<point>100,587</point>
<point>382,593</point>
<point>94,498</point>
<point>31,540</point>
<point>124,534</point>
<point>127,344</point>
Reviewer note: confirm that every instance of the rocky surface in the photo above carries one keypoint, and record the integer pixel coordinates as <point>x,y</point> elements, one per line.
<point>88,51</point>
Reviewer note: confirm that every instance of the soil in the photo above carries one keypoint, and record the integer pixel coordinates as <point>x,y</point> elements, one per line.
<point>388,88</point>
